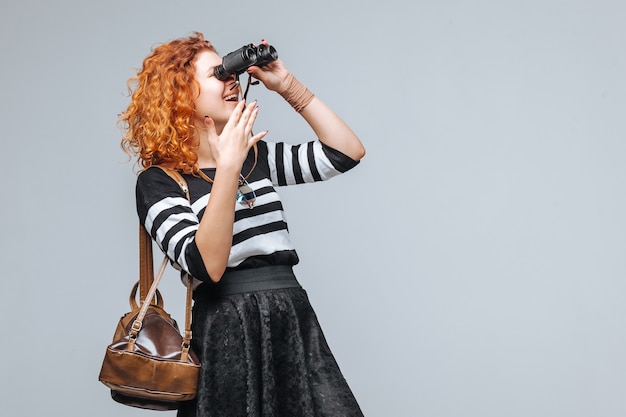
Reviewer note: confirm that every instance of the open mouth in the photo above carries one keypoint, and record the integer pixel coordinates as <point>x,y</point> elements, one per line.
<point>232,97</point>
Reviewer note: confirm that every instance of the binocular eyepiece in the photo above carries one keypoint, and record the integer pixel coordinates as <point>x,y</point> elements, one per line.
<point>240,60</point>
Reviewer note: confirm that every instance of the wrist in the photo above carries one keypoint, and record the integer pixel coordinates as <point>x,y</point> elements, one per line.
<point>296,93</point>
<point>228,169</point>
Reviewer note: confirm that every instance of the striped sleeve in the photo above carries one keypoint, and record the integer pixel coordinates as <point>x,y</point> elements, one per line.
<point>166,213</point>
<point>305,163</point>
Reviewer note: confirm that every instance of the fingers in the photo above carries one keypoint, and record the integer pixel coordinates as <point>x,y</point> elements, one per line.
<point>254,139</point>
<point>249,117</point>
<point>249,110</point>
<point>235,116</point>
<point>241,122</point>
<point>241,113</point>
<point>271,75</point>
<point>245,118</point>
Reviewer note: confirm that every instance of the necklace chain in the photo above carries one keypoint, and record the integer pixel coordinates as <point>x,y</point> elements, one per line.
<point>242,179</point>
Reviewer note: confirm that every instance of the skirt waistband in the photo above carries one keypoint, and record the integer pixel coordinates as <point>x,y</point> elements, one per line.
<point>273,277</point>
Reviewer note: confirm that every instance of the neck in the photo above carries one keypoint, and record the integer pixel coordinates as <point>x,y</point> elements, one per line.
<point>205,157</point>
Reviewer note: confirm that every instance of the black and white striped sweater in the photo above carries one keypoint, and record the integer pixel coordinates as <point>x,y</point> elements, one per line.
<point>260,235</point>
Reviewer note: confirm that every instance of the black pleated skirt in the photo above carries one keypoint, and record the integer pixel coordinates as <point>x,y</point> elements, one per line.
<point>263,352</point>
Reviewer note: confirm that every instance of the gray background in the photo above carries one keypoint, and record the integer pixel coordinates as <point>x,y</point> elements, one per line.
<point>472,265</point>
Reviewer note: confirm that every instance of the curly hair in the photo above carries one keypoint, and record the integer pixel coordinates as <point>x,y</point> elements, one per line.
<point>157,124</point>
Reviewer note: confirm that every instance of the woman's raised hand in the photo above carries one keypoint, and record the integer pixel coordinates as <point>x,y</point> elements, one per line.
<point>232,145</point>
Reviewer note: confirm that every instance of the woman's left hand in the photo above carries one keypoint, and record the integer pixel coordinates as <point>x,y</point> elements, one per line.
<point>273,75</point>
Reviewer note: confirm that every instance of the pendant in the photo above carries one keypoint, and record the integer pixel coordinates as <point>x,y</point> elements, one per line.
<point>246,195</point>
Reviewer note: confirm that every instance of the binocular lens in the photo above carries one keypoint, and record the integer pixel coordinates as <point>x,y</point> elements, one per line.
<point>243,58</point>
<point>266,54</point>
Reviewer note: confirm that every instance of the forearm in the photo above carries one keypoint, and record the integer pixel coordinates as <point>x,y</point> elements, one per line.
<point>215,232</point>
<point>328,126</point>
<point>331,130</point>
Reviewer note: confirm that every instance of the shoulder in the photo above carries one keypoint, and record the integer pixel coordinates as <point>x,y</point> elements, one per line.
<point>154,184</point>
<point>157,174</point>
<point>153,176</point>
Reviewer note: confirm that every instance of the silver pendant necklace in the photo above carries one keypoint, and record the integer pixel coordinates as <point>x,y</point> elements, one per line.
<point>245,194</point>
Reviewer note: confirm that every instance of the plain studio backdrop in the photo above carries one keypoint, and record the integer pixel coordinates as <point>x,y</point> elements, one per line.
<point>472,265</point>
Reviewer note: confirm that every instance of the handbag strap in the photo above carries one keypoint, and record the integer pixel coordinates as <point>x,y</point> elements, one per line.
<point>146,259</point>
<point>138,323</point>
<point>146,262</point>
<point>148,283</point>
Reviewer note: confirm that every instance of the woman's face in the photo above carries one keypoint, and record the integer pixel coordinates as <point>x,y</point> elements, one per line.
<point>216,99</point>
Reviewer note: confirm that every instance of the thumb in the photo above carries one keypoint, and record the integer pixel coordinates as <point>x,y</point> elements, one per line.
<point>255,72</point>
<point>210,126</point>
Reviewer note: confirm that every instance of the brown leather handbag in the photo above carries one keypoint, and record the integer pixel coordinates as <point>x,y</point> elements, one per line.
<point>150,364</point>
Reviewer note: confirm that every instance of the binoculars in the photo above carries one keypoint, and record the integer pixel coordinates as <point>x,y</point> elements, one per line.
<point>240,60</point>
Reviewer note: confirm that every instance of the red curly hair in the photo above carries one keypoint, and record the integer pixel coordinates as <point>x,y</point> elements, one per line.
<point>157,124</point>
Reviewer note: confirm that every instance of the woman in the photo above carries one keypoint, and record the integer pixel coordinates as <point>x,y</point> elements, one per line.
<point>262,350</point>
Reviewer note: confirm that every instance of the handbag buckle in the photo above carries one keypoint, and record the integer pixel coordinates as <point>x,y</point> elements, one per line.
<point>135,328</point>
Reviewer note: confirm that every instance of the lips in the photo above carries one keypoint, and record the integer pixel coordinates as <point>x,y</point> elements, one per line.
<point>232,97</point>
